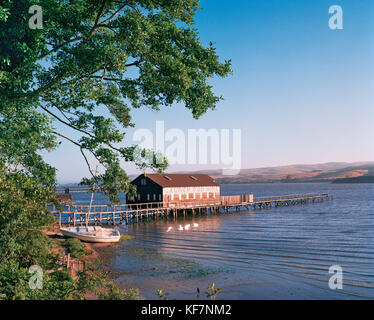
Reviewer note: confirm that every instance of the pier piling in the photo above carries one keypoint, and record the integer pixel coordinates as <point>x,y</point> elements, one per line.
<point>127,213</point>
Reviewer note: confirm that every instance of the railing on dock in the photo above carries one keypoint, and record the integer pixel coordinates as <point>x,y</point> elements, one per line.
<point>287,196</point>
<point>61,190</point>
<point>125,213</point>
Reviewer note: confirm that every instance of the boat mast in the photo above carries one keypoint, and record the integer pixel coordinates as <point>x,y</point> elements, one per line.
<point>92,193</point>
<point>89,209</point>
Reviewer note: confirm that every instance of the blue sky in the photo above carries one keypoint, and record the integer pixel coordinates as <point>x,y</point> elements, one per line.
<point>300,92</point>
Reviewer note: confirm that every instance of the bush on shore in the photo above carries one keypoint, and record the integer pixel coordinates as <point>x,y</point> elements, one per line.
<point>76,248</point>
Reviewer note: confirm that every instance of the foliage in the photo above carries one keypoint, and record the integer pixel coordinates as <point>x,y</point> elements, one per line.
<point>115,293</point>
<point>162,295</point>
<point>91,63</point>
<point>125,237</point>
<point>3,14</point>
<point>91,279</point>
<point>14,282</point>
<point>23,216</point>
<point>77,79</point>
<point>212,291</point>
<point>97,281</point>
<point>76,248</point>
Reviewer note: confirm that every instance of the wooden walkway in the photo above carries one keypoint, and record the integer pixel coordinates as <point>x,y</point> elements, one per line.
<point>129,213</point>
<point>72,189</point>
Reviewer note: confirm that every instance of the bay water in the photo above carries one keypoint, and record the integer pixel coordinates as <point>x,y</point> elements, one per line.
<point>277,253</point>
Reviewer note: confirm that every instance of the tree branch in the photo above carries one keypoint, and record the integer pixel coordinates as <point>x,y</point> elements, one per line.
<point>113,15</point>
<point>95,26</point>
<point>99,15</point>
<point>112,79</point>
<point>66,123</point>
<point>136,63</point>
<point>82,152</point>
<point>59,47</point>
<point>87,162</point>
<point>67,138</point>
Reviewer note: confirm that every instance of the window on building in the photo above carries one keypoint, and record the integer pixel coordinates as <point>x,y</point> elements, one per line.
<point>193,178</point>
<point>201,195</point>
<point>160,197</point>
<point>172,196</point>
<point>154,197</point>
<point>214,195</point>
<point>194,195</point>
<point>180,196</point>
<point>207,195</point>
<point>148,197</point>
<point>143,182</point>
<point>139,196</point>
<point>187,196</point>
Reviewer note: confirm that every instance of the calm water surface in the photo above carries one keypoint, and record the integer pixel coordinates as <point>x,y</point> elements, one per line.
<point>279,253</point>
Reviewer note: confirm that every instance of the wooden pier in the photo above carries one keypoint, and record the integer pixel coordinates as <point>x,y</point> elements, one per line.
<point>129,213</point>
<point>72,189</point>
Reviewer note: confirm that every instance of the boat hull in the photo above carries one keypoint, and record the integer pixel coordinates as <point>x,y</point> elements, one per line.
<point>92,234</point>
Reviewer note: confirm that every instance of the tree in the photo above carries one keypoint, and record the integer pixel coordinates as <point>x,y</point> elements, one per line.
<point>86,69</point>
<point>3,14</point>
<point>91,63</point>
<point>23,216</point>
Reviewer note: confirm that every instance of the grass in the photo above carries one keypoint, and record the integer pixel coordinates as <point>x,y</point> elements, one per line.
<point>113,292</point>
<point>97,281</point>
<point>76,248</point>
<point>125,237</point>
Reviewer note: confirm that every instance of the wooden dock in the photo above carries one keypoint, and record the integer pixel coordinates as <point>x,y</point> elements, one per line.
<point>129,213</point>
<point>72,189</point>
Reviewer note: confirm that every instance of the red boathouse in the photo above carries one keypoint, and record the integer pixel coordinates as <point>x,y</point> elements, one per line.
<point>176,189</point>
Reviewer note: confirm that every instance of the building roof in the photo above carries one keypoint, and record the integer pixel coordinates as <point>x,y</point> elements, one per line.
<point>182,180</point>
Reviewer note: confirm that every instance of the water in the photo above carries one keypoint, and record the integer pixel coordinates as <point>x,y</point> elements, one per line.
<point>278,253</point>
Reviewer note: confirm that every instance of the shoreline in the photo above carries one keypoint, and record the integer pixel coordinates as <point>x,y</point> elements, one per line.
<point>96,251</point>
<point>97,255</point>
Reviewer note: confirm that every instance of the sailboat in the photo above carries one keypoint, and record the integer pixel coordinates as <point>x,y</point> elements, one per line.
<point>92,233</point>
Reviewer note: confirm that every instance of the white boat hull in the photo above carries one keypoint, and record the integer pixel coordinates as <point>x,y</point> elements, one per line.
<point>92,234</point>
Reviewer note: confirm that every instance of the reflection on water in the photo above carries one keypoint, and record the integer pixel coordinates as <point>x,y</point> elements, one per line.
<point>276,253</point>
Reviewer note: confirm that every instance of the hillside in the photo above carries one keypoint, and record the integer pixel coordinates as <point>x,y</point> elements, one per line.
<point>324,172</point>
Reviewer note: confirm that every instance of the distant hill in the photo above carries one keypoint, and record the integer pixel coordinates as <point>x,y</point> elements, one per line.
<point>323,172</point>
<point>362,179</point>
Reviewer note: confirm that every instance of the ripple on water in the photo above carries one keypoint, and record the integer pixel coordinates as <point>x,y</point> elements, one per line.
<point>277,253</point>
